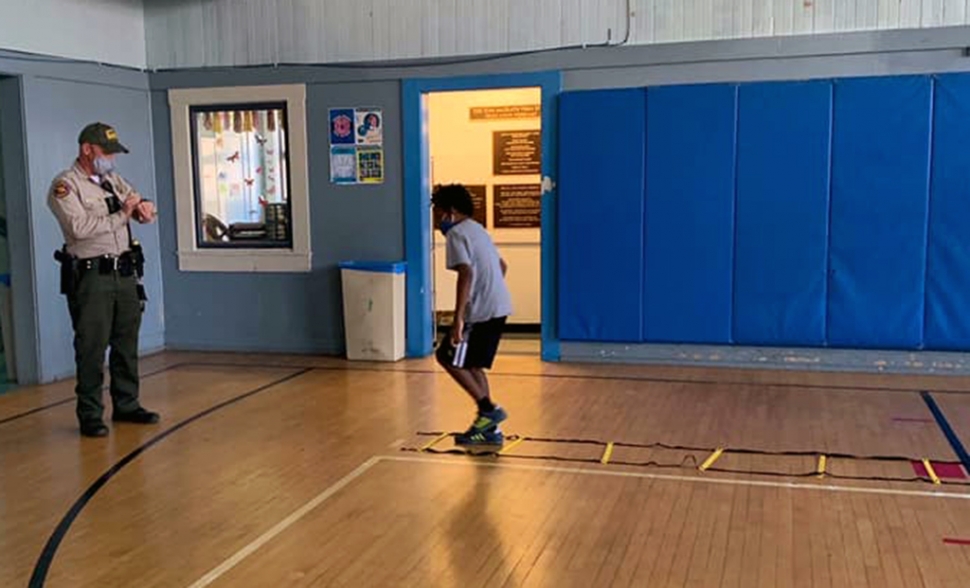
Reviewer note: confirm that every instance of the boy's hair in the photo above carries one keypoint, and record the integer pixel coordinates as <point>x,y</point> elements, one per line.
<point>453,197</point>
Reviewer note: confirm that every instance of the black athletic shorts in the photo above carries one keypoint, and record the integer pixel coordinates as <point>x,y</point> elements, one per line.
<point>477,348</point>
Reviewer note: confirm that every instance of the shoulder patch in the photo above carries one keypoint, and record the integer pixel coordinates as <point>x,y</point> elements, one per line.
<point>62,189</point>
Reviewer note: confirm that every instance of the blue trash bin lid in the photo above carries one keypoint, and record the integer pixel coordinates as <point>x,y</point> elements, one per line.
<point>384,267</point>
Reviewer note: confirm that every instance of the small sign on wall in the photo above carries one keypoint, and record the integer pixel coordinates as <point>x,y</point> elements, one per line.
<point>485,113</point>
<point>341,126</point>
<point>480,203</point>
<point>356,146</point>
<point>370,126</point>
<point>517,153</point>
<point>370,165</point>
<point>343,164</point>
<point>517,206</point>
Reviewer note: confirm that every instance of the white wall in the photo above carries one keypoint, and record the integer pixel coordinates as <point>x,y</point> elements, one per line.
<point>244,32</point>
<point>461,151</point>
<point>106,31</point>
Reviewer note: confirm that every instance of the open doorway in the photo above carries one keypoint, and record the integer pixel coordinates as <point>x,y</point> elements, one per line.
<point>8,374</point>
<point>418,232</point>
<point>490,140</point>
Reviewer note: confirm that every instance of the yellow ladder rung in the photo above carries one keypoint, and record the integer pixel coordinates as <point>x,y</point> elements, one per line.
<point>434,441</point>
<point>931,471</point>
<point>710,460</point>
<point>511,446</point>
<point>821,466</point>
<point>607,453</point>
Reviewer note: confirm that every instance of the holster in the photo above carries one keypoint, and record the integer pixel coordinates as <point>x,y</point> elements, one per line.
<point>68,270</point>
<point>138,259</point>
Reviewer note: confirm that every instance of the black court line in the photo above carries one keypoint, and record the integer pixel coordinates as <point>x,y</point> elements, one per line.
<point>21,415</point>
<point>43,565</point>
<point>424,371</point>
<point>948,432</point>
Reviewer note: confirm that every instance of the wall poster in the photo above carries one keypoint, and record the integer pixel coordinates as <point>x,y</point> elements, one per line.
<point>370,165</point>
<point>517,206</point>
<point>356,146</point>
<point>478,193</point>
<point>370,126</point>
<point>343,164</point>
<point>517,153</point>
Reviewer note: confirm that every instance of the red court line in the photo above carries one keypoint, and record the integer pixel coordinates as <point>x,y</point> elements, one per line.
<point>912,420</point>
<point>951,541</point>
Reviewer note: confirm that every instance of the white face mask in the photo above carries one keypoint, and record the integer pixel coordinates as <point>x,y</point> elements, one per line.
<point>103,166</point>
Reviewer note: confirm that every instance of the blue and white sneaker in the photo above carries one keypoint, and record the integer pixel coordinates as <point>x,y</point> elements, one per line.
<point>488,421</point>
<point>473,438</point>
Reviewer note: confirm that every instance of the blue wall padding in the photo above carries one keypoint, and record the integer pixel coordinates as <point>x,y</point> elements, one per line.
<point>880,192</point>
<point>948,256</point>
<point>601,143</point>
<point>784,133</point>
<point>689,240</point>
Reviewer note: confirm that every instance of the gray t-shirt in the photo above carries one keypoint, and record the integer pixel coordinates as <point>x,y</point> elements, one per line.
<point>469,243</point>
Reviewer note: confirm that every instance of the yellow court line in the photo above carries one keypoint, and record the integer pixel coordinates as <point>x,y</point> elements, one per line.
<point>821,466</point>
<point>607,453</point>
<point>434,441</point>
<point>710,460</point>
<point>931,471</point>
<point>511,446</point>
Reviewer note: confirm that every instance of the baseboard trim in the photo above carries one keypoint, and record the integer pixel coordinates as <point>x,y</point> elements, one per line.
<point>840,360</point>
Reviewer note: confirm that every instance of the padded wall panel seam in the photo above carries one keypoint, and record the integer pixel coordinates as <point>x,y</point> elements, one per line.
<point>929,209</point>
<point>602,140</point>
<point>947,312</point>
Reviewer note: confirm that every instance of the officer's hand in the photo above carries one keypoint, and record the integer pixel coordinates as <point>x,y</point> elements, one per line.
<point>129,205</point>
<point>145,211</point>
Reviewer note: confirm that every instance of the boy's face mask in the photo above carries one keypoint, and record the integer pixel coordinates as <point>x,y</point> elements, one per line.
<point>446,225</point>
<point>445,222</point>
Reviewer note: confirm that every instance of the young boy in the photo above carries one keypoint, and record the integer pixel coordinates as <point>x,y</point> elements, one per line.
<point>482,306</point>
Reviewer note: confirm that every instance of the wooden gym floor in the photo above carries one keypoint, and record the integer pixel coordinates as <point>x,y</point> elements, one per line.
<point>291,471</point>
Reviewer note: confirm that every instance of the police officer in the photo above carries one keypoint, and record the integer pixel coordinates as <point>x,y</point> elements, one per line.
<point>101,269</point>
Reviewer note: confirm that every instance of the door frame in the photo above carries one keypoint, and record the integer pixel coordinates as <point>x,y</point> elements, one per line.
<point>417,201</point>
<point>23,288</point>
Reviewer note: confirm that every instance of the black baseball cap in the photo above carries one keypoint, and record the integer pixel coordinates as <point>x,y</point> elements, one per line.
<point>103,136</point>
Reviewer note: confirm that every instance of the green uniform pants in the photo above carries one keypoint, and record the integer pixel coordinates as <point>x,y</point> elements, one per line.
<point>105,310</point>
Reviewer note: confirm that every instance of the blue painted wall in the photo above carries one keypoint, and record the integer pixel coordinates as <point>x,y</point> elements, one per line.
<point>298,312</point>
<point>46,102</point>
<point>786,213</point>
<point>55,111</point>
<point>18,233</point>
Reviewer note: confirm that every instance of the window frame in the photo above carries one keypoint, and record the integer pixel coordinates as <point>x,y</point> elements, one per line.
<point>196,109</point>
<point>195,256</point>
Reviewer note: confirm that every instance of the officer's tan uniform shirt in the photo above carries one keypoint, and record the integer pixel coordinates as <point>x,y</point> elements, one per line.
<point>78,202</point>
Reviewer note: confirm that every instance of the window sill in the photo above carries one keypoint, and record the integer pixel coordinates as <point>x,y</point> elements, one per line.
<point>244,260</point>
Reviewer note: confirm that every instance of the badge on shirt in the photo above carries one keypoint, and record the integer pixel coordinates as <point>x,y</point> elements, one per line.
<point>61,189</point>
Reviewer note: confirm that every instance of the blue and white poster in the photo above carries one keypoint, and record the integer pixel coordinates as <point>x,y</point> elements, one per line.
<point>343,164</point>
<point>342,126</point>
<point>370,126</point>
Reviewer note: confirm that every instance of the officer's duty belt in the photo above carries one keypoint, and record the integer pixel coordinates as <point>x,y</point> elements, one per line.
<point>124,264</point>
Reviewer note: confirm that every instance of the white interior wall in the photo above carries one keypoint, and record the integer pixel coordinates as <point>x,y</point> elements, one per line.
<point>106,31</point>
<point>461,151</point>
<point>194,33</point>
